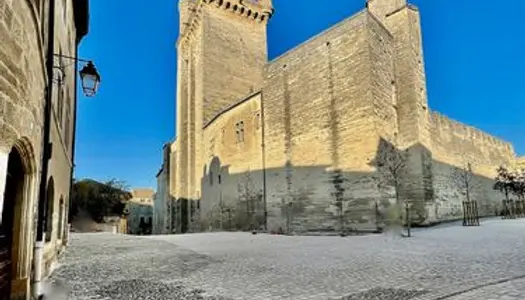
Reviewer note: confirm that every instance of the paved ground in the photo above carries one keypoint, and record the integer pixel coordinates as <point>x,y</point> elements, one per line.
<point>451,262</point>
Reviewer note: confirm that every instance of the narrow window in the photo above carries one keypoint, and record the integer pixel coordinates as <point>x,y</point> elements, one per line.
<point>239,131</point>
<point>394,92</point>
<point>257,121</point>
<point>219,179</point>
<point>211,178</point>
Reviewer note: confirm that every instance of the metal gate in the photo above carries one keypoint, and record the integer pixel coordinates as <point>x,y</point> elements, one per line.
<point>470,213</point>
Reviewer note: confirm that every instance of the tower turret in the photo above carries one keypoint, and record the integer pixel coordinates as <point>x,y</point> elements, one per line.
<point>222,53</point>
<point>382,8</point>
<point>186,7</point>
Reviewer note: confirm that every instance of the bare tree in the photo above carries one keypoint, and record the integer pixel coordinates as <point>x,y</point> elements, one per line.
<point>463,177</point>
<point>392,165</point>
<point>504,181</point>
<point>339,195</point>
<point>251,199</point>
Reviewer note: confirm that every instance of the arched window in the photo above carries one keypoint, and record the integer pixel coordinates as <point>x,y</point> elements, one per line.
<point>239,130</point>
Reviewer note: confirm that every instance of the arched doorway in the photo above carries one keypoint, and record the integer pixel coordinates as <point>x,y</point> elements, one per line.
<point>13,196</point>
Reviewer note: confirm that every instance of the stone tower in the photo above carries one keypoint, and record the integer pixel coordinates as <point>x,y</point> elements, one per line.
<point>403,21</point>
<point>222,52</point>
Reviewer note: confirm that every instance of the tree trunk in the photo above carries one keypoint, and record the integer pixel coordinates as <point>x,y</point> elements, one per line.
<point>467,189</point>
<point>407,210</point>
<point>408,220</point>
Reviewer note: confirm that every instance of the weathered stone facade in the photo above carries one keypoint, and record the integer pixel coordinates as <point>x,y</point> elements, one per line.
<point>163,206</point>
<point>293,144</point>
<point>23,83</point>
<point>140,211</point>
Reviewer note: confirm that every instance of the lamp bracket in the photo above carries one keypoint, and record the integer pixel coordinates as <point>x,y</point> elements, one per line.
<point>60,75</point>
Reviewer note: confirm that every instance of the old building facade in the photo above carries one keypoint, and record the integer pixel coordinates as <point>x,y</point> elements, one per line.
<point>24,79</point>
<point>297,143</point>
<point>164,207</point>
<point>140,211</point>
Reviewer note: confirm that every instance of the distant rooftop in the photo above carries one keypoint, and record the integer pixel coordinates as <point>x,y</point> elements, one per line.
<point>142,193</point>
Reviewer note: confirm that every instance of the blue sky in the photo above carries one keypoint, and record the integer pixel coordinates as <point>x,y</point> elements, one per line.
<point>473,54</point>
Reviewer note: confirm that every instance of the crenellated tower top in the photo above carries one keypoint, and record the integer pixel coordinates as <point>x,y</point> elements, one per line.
<point>259,11</point>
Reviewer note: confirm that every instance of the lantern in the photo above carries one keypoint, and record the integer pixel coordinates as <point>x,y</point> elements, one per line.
<point>90,79</point>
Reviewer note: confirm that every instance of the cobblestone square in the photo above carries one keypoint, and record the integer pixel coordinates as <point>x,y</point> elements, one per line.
<point>445,262</point>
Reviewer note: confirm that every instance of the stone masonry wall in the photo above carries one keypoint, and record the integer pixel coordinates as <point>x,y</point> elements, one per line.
<point>234,55</point>
<point>22,85</point>
<point>233,169</point>
<point>325,105</point>
<point>22,74</point>
<point>222,43</point>
<point>313,135</point>
<point>23,82</point>
<point>403,22</point>
<point>62,120</point>
<point>454,146</point>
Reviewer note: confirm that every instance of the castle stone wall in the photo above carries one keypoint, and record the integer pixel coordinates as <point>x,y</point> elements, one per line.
<point>325,111</point>
<point>326,103</point>
<point>233,163</point>
<point>454,146</point>
<point>234,57</point>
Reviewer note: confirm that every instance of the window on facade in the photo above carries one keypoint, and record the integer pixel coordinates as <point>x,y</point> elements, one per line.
<point>257,120</point>
<point>219,178</point>
<point>239,130</point>
<point>394,92</point>
<point>211,178</point>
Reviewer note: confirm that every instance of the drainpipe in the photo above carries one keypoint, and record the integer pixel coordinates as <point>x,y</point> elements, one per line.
<point>46,156</point>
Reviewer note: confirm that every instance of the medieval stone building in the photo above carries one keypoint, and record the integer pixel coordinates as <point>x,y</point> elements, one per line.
<point>299,143</point>
<point>26,48</point>
<point>140,211</point>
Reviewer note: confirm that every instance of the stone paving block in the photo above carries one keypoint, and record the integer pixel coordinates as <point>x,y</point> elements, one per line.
<point>452,263</point>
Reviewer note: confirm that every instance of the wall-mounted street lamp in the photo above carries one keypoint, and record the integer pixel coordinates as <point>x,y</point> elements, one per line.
<point>89,75</point>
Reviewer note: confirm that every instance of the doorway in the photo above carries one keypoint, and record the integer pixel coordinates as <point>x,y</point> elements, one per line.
<point>14,189</point>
